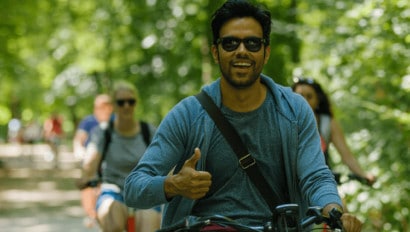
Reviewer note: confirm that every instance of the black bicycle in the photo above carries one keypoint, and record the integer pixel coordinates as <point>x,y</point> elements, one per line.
<point>286,219</point>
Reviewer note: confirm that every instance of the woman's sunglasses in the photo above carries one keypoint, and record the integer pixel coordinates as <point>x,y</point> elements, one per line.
<point>303,80</point>
<point>121,102</point>
<point>231,43</point>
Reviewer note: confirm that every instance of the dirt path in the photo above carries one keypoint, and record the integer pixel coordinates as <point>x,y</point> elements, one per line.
<point>36,196</point>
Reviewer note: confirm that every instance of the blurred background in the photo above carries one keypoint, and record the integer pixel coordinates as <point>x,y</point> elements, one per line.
<point>56,55</point>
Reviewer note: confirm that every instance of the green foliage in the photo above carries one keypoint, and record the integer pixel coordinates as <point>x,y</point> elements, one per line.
<point>56,55</point>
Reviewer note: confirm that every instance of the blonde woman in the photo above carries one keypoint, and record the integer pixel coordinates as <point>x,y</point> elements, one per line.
<point>125,148</point>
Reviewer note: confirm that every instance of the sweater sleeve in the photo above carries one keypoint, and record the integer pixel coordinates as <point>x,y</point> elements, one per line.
<point>173,143</point>
<point>144,185</point>
<point>316,180</point>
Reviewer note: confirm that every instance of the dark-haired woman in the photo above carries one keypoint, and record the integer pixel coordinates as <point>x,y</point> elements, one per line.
<point>329,128</point>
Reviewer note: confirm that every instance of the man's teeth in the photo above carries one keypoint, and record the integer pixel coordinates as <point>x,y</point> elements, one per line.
<point>242,64</point>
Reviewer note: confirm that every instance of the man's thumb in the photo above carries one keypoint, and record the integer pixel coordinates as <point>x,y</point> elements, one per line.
<point>191,162</point>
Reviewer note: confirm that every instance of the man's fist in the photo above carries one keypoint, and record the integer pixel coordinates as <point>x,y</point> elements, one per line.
<point>189,182</point>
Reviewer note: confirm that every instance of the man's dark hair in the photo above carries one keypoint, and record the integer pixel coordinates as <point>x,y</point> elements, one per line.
<point>239,9</point>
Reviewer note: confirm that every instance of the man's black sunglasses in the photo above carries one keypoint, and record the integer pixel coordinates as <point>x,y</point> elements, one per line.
<point>230,43</point>
<point>121,102</point>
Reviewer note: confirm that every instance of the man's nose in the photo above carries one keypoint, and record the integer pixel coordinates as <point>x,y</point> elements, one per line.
<point>242,47</point>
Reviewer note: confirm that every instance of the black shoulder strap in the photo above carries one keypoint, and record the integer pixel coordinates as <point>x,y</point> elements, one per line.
<point>145,132</point>
<point>246,161</point>
<point>107,140</point>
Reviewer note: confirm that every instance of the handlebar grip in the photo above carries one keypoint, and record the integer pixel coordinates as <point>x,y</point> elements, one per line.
<point>314,217</point>
<point>362,180</point>
<point>334,220</point>
<point>81,185</point>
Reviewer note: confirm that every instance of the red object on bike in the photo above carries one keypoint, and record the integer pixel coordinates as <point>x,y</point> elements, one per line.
<point>216,227</point>
<point>323,144</point>
<point>131,223</point>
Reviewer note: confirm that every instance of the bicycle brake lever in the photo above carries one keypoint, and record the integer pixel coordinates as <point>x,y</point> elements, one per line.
<point>315,212</point>
<point>314,217</point>
<point>359,178</point>
<point>334,219</point>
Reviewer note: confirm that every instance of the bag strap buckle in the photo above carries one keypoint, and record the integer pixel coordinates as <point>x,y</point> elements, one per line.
<point>247,161</point>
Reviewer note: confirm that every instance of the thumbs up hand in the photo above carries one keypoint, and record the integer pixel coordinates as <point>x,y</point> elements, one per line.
<point>189,182</point>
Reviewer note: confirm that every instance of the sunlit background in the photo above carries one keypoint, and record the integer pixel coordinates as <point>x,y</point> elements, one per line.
<point>56,55</point>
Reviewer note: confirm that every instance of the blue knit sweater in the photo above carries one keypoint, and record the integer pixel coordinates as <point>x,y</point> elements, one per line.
<point>285,142</point>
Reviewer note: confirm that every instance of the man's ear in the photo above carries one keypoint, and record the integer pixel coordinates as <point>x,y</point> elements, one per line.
<point>267,54</point>
<point>215,53</point>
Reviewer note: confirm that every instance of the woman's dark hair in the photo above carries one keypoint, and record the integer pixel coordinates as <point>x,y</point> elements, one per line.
<point>324,103</point>
<point>239,9</point>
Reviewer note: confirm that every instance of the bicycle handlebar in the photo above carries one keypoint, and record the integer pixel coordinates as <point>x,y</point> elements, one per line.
<point>362,180</point>
<point>80,184</point>
<point>286,218</point>
<point>314,216</point>
<point>351,176</point>
<point>334,219</point>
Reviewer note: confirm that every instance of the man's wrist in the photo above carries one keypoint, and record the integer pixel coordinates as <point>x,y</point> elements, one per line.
<point>168,188</point>
<point>329,207</point>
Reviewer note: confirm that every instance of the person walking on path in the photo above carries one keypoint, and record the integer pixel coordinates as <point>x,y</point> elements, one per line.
<point>53,134</point>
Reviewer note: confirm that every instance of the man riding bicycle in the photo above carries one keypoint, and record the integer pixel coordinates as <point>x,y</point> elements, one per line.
<point>275,124</point>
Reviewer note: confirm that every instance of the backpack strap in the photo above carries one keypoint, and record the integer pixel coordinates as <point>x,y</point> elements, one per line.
<point>324,127</point>
<point>107,140</point>
<point>324,131</point>
<point>145,132</point>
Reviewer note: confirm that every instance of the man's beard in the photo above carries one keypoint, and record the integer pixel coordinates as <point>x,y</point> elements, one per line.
<point>241,84</point>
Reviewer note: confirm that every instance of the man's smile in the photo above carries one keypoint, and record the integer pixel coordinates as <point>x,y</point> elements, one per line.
<point>242,64</point>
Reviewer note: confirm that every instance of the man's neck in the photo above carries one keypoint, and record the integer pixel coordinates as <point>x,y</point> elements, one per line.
<point>245,99</point>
